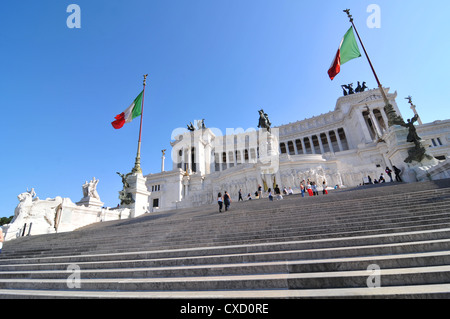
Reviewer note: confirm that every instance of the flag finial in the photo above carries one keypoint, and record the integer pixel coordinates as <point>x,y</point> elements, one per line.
<point>145,79</point>
<point>348,14</point>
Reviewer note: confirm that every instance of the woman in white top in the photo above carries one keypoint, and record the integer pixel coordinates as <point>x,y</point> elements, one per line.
<point>220,201</point>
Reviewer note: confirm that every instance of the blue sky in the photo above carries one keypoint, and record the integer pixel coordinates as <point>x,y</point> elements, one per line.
<point>60,88</point>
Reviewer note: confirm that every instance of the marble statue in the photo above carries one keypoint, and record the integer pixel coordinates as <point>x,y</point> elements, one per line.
<point>90,189</point>
<point>38,214</point>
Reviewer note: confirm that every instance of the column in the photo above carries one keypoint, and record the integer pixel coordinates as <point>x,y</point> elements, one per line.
<point>338,140</point>
<point>295,147</point>
<point>329,141</point>
<point>384,116</point>
<point>303,146</point>
<point>311,144</point>
<point>320,144</point>
<point>364,127</point>
<point>375,123</point>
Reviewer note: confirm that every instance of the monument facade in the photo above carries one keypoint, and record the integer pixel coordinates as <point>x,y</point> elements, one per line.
<point>342,147</point>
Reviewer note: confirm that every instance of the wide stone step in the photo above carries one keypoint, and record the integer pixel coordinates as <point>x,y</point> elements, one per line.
<point>234,258</point>
<point>367,239</point>
<point>323,280</point>
<point>295,266</point>
<point>438,291</point>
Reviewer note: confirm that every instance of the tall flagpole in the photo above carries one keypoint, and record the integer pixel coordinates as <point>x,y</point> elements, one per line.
<point>137,164</point>
<point>392,115</point>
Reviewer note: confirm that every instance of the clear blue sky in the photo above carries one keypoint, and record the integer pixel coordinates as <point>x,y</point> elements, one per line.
<point>60,88</point>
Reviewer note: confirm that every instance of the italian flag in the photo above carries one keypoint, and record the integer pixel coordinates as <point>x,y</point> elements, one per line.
<point>347,51</point>
<point>133,111</point>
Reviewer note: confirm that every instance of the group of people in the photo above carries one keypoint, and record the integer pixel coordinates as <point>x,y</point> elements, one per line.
<point>308,186</point>
<point>278,192</point>
<point>224,200</point>
<point>388,171</point>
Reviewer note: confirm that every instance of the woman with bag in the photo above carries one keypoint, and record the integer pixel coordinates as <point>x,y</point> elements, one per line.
<point>226,200</point>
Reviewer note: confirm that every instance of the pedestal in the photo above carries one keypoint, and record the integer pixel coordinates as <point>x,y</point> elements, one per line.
<point>90,202</point>
<point>140,195</point>
<point>399,151</point>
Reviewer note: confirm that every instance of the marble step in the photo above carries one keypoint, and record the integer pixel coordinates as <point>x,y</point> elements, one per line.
<point>322,280</point>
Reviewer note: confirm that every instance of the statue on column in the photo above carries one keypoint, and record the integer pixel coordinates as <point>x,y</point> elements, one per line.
<point>125,197</point>
<point>264,121</point>
<point>418,153</point>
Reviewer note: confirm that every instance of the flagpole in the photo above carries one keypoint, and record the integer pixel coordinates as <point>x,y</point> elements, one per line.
<point>137,164</point>
<point>392,115</point>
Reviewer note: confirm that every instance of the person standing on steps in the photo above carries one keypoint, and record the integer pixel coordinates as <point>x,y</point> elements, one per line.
<point>226,200</point>
<point>220,201</point>
<point>259,191</point>
<point>389,172</point>
<point>302,188</point>
<point>397,172</point>
<point>278,192</point>
<point>2,239</point>
<point>240,195</point>
<point>324,188</point>
<point>270,194</point>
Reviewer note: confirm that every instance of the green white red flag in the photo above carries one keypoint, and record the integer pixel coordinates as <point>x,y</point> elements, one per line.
<point>133,111</point>
<point>348,50</point>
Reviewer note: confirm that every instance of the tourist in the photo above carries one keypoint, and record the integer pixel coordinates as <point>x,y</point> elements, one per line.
<point>220,201</point>
<point>381,179</point>
<point>290,191</point>
<point>285,191</point>
<point>240,195</point>
<point>314,188</point>
<point>308,189</point>
<point>226,200</point>
<point>249,196</point>
<point>302,188</point>
<point>389,172</point>
<point>2,239</point>
<point>270,194</point>
<point>324,188</point>
<point>259,191</point>
<point>369,179</point>
<point>278,192</point>
<point>397,172</point>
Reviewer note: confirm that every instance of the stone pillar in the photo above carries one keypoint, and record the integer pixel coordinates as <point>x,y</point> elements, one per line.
<point>303,146</point>
<point>313,151</point>
<point>364,127</point>
<point>385,118</point>
<point>378,130</point>
<point>329,141</point>
<point>140,194</point>
<point>338,139</point>
<point>295,147</point>
<point>162,162</point>
<point>320,143</point>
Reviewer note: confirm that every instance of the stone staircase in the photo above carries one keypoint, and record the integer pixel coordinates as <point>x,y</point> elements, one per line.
<point>312,247</point>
